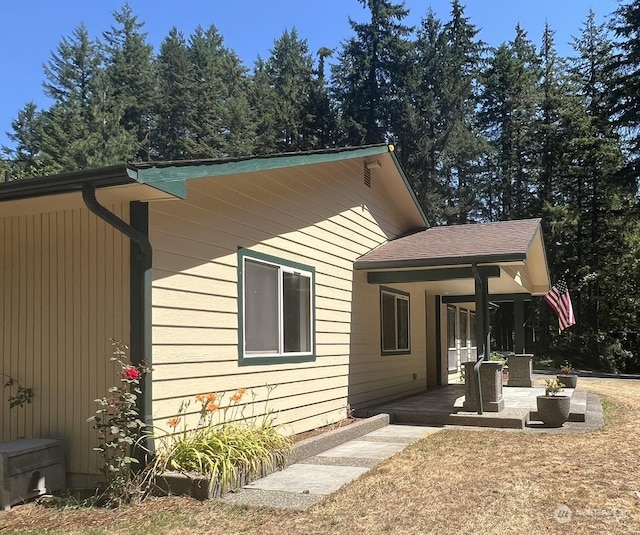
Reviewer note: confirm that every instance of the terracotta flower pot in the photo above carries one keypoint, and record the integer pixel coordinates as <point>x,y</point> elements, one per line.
<point>554,410</point>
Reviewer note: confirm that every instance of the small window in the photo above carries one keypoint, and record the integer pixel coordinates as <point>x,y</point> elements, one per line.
<point>276,309</point>
<point>395,321</point>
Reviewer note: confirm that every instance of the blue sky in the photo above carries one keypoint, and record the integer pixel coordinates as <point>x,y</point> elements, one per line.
<point>32,29</point>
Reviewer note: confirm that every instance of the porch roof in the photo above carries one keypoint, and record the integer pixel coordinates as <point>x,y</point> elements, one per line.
<point>516,247</point>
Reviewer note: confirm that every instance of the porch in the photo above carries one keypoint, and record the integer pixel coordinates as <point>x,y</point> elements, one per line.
<point>443,406</point>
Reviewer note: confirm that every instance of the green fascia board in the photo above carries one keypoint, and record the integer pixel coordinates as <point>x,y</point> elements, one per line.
<point>172,176</point>
<point>434,262</point>
<point>430,275</point>
<point>175,187</point>
<point>494,298</point>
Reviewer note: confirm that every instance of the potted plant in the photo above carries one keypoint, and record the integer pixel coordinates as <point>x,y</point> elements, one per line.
<point>567,376</point>
<point>553,410</point>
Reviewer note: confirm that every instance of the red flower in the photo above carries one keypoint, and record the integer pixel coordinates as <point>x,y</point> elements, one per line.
<point>131,373</point>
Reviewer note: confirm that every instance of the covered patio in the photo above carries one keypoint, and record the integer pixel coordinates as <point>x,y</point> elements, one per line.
<point>444,406</point>
<point>472,266</point>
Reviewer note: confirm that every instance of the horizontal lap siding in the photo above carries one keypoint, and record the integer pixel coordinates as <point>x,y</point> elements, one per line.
<point>326,223</point>
<point>375,378</point>
<point>64,290</point>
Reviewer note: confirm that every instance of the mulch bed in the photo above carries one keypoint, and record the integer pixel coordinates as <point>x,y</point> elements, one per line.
<point>323,429</point>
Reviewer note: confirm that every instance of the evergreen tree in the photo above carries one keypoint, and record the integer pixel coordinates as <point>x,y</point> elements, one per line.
<point>370,70</point>
<point>464,142</point>
<point>263,101</point>
<point>130,80</point>
<point>510,102</point>
<point>110,141</point>
<point>593,202</point>
<point>552,140</point>
<point>240,118</point>
<point>175,105</point>
<point>323,123</point>
<point>206,121</point>
<point>625,69</point>
<point>440,142</point>
<point>548,126</point>
<point>24,159</point>
<point>70,137</point>
<point>422,132</point>
<point>289,69</point>
<point>5,170</point>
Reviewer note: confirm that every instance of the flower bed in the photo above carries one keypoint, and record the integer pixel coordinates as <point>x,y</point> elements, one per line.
<point>222,452</point>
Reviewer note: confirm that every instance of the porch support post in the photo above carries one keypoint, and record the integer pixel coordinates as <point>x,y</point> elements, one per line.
<point>438,316</point>
<point>482,312</point>
<point>518,326</point>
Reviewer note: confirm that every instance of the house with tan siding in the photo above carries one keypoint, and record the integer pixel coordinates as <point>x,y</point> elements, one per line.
<point>313,273</point>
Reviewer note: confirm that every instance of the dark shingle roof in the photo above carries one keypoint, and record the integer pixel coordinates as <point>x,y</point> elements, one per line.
<point>490,242</point>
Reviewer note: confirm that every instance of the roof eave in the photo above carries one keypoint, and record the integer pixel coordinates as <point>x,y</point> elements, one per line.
<point>435,262</point>
<point>114,175</point>
<point>409,188</point>
<point>172,176</point>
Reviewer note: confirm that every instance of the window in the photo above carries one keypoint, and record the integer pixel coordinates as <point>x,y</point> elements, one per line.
<point>464,339</point>
<point>394,308</point>
<point>452,344</point>
<point>461,337</point>
<point>276,309</point>
<point>472,335</point>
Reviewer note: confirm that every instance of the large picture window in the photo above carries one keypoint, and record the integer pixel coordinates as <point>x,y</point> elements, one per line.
<point>395,322</point>
<point>276,315</point>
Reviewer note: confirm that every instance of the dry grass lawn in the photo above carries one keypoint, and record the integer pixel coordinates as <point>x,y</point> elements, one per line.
<point>452,482</point>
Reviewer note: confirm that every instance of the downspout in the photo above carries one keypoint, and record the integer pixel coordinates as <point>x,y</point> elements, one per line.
<point>143,336</point>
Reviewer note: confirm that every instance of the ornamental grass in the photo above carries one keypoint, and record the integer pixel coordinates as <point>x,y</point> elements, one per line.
<point>225,445</point>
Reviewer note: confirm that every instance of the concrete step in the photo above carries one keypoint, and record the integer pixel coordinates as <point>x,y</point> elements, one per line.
<point>508,418</point>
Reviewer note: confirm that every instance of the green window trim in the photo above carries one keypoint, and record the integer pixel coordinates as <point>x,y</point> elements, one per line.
<point>395,322</point>
<point>286,303</point>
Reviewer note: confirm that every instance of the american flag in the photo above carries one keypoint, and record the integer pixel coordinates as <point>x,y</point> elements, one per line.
<point>560,301</point>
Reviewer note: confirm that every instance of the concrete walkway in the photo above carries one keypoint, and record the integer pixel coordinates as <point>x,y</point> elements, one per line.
<point>309,480</point>
<point>321,465</point>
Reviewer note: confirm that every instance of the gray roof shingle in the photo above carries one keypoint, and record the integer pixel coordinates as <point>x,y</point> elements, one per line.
<point>489,242</point>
